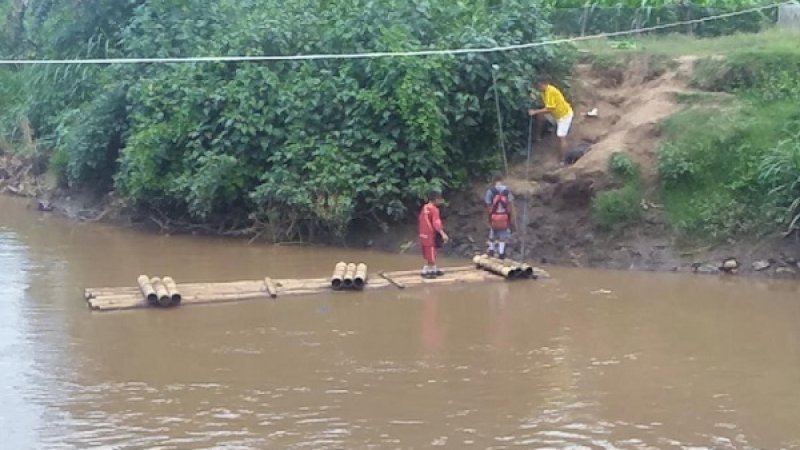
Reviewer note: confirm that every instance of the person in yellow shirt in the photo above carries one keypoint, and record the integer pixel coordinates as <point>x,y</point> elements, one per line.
<point>557,110</point>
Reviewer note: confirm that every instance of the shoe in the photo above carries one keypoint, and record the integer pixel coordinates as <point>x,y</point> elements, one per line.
<point>438,273</point>
<point>490,253</point>
<point>502,256</point>
<point>428,276</point>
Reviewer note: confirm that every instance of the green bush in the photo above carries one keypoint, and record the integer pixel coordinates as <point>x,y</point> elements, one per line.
<point>586,18</point>
<point>12,99</point>
<point>779,172</point>
<point>623,167</point>
<point>618,208</point>
<point>690,151</point>
<point>615,209</point>
<point>310,145</point>
<point>89,138</point>
<point>731,175</point>
<point>305,146</point>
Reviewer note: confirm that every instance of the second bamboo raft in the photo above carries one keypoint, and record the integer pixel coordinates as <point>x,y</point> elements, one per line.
<point>506,268</point>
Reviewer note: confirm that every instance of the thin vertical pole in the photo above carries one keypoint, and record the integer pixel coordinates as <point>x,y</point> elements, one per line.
<point>499,118</point>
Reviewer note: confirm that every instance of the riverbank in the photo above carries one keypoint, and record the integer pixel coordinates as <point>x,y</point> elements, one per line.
<point>560,229</point>
<point>638,89</point>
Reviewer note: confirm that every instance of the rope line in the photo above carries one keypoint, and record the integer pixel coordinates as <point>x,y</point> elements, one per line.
<point>432,52</point>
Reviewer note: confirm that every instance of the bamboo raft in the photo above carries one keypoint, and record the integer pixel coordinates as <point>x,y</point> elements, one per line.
<point>165,292</point>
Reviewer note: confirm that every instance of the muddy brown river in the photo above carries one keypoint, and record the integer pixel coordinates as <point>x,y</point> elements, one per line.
<point>588,359</point>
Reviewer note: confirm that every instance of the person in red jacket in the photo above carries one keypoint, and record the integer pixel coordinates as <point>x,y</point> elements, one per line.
<point>430,225</point>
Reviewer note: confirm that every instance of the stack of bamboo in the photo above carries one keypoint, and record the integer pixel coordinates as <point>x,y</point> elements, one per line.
<point>349,276</point>
<point>161,292</point>
<point>506,268</point>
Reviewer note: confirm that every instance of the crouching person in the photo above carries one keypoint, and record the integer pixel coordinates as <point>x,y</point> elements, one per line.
<point>431,234</point>
<point>498,201</point>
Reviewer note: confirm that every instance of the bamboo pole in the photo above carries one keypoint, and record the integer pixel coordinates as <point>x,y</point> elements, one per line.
<point>494,267</point>
<point>95,292</point>
<point>269,285</point>
<point>125,300</point>
<point>391,280</point>
<point>164,299</point>
<point>147,289</point>
<point>360,277</point>
<point>446,270</point>
<point>348,275</point>
<point>172,290</point>
<point>525,270</point>
<point>338,275</point>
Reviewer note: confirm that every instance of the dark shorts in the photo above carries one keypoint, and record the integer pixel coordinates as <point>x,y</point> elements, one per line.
<point>499,235</point>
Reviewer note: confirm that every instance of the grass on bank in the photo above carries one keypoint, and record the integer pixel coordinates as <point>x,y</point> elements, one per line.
<point>676,45</point>
<point>615,209</point>
<point>713,168</point>
<point>729,163</point>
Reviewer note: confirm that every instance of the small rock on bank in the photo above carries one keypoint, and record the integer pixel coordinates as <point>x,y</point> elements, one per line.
<point>758,266</point>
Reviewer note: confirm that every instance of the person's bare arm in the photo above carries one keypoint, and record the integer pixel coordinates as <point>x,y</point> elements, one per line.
<point>437,225</point>
<point>536,112</point>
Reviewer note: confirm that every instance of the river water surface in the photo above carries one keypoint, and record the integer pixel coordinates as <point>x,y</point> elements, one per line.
<point>588,359</point>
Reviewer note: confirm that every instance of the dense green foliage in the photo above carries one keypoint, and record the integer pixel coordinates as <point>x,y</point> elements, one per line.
<point>730,167</point>
<point>617,208</point>
<point>595,17</point>
<point>304,146</point>
<point>650,3</point>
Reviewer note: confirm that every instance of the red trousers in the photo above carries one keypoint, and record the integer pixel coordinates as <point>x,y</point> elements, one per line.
<point>429,253</point>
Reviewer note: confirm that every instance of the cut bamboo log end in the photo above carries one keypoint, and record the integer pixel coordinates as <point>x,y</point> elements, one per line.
<point>163,298</point>
<point>148,291</point>
<point>172,290</point>
<point>349,274</point>
<point>337,279</point>
<point>360,278</point>
<point>527,271</point>
<point>496,267</point>
<point>269,286</point>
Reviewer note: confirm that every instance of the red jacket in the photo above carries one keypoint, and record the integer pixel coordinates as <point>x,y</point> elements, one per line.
<point>429,223</point>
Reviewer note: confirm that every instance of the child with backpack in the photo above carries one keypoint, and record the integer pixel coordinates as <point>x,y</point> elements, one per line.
<point>498,201</point>
<point>431,234</point>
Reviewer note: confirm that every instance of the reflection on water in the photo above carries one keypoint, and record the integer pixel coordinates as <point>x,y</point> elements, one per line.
<point>15,349</point>
<point>589,359</point>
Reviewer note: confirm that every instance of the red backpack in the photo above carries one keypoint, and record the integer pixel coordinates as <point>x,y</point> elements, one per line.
<point>500,214</point>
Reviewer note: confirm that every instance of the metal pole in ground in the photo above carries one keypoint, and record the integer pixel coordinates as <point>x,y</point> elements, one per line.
<point>501,135</point>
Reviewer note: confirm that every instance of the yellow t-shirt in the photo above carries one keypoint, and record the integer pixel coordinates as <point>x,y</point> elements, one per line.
<point>555,103</point>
